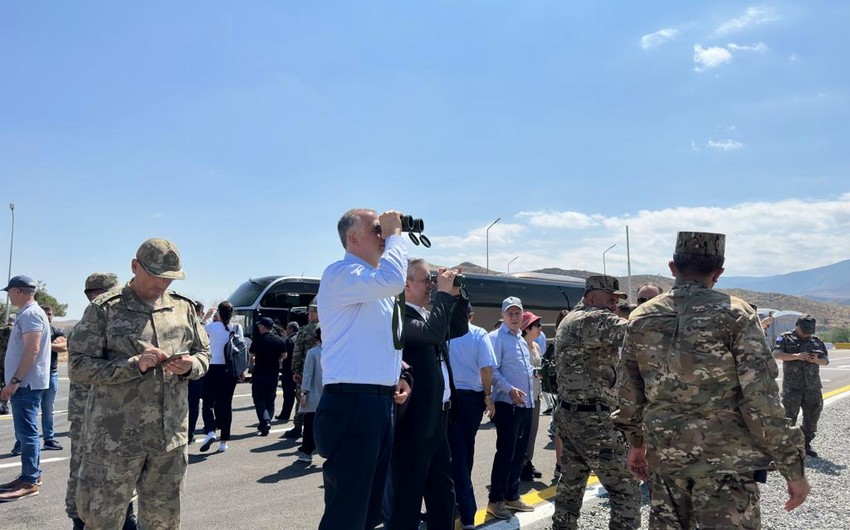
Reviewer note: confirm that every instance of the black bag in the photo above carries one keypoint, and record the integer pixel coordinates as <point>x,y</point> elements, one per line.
<point>235,353</point>
<point>548,377</point>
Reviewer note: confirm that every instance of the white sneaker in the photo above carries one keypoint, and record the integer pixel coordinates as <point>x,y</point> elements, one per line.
<point>222,447</point>
<point>304,457</point>
<point>208,441</point>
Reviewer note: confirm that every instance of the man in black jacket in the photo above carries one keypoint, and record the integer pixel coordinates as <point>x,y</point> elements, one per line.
<point>421,465</point>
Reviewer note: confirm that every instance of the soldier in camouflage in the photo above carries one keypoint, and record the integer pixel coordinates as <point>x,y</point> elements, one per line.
<point>699,403</point>
<point>802,354</point>
<point>96,284</point>
<point>587,343</point>
<point>304,340</point>
<point>137,347</point>
<point>5,333</point>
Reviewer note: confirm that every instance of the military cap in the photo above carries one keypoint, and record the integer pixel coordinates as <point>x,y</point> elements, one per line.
<point>21,282</point>
<point>604,283</point>
<point>701,243</point>
<point>807,323</point>
<point>101,281</point>
<point>159,257</point>
<point>312,306</point>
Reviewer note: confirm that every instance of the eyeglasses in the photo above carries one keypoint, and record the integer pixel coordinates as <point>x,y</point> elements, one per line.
<point>642,300</point>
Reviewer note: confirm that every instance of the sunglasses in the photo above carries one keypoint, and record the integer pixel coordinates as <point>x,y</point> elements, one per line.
<point>642,300</point>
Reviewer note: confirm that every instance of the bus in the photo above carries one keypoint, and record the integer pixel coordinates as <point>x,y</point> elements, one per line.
<point>285,298</point>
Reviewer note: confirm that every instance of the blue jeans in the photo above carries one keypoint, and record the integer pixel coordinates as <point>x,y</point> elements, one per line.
<point>48,401</point>
<point>25,405</point>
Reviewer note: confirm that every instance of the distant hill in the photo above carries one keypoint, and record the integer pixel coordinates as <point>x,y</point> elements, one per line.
<point>827,284</point>
<point>829,314</point>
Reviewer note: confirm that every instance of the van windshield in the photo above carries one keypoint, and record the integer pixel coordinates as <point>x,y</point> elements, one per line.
<point>246,294</point>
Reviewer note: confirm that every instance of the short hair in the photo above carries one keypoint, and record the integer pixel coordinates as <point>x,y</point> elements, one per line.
<point>347,221</point>
<point>293,326</point>
<point>413,264</point>
<point>29,291</point>
<point>654,286</point>
<point>46,307</point>
<point>697,263</point>
<point>199,307</point>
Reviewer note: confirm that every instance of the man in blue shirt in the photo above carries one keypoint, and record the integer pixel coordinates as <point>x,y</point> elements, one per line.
<point>472,361</point>
<point>513,393</point>
<point>361,365</point>
<point>27,377</point>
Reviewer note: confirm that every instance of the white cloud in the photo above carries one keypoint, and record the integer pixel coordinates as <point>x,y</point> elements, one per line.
<point>559,219</point>
<point>712,57</point>
<point>725,145</point>
<point>658,38</point>
<point>753,16</point>
<point>759,47</point>
<point>762,239</point>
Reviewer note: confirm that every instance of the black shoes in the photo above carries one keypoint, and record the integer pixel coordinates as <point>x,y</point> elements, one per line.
<point>811,452</point>
<point>292,434</point>
<point>529,472</point>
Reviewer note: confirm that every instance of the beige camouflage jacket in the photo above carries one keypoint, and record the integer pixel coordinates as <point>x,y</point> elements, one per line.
<point>587,345</point>
<point>128,412</point>
<point>304,340</point>
<point>699,388</point>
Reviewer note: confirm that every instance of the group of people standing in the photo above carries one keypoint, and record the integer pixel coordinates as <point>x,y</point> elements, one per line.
<point>682,395</point>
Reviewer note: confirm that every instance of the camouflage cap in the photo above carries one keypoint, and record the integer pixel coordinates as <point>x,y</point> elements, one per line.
<point>160,258</point>
<point>312,306</point>
<point>604,283</point>
<point>101,281</point>
<point>807,323</point>
<point>701,243</point>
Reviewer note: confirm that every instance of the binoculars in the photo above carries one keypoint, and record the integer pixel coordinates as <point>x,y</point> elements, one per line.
<point>414,228</point>
<point>459,281</point>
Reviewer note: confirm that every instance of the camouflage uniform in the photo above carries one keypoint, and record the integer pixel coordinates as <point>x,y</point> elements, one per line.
<point>586,350</point>
<point>77,397</point>
<point>305,339</point>
<point>801,385</point>
<point>699,392</point>
<point>136,424</point>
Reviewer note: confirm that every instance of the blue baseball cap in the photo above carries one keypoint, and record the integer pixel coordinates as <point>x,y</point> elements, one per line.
<point>23,282</point>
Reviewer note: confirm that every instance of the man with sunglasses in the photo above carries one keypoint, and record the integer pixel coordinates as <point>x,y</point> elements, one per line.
<point>647,292</point>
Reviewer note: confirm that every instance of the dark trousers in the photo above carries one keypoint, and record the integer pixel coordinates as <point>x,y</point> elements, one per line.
<point>288,386</point>
<point>218,400</point>
<point>196,390</point>
<point>308,440</point>
<point>264,392</point>
<point>354,433</point>
<point>463,427</point>
<point>512,428</point>
<point>422,469</point>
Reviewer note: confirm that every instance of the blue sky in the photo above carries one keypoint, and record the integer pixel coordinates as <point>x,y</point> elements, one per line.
<point>242,132</point>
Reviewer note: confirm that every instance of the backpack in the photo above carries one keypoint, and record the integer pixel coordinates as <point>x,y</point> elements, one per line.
<point>235,353</point>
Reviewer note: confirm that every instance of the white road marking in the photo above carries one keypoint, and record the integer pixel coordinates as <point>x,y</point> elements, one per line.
<point>43,461</point>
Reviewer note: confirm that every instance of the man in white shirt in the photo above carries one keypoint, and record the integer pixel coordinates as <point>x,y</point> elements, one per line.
<point>361,366</point>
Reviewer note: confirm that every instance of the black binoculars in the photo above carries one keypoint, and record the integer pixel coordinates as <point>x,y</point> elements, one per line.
<point>459,281</point>
<point>413,227</point>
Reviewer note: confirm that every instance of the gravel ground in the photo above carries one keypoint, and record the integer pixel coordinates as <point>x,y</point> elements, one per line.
<point>826,508</point>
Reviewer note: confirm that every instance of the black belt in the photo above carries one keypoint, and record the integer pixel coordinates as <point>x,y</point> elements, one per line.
<point>585,407</point>
<point>469,392</point>
<point>447,405</point>
<point>357,388</point>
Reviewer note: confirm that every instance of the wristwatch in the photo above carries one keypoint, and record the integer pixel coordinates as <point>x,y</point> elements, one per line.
<point>14,381</point>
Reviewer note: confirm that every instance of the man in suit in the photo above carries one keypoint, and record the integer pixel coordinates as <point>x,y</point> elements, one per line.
<point>421,464</point>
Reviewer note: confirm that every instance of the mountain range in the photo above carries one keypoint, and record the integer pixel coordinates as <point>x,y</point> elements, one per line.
<point>822,292</point>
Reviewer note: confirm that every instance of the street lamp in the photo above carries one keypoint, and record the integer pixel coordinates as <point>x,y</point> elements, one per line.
<point>604,271</point>
<point>487,234</point>
<point>509,264</point>
<point>11,248</point>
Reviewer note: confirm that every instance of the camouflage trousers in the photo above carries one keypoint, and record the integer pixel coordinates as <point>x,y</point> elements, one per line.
<point>591,443</point>
<point>712,503</point>
<point>77,397</point>
<point>810,401</point>
<point>106,485</point>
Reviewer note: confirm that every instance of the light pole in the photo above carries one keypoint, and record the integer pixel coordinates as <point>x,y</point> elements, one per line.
<point>11,248</point>
<point>509,264</point>
<point>604,270</point>
<point>487,235</point>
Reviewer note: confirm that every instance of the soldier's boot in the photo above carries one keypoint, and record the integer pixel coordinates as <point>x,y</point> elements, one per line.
<point>4,408</point>
<point>809,451</point>
<point>130,522</point>
<point>295,432</point>
<point>78,523</point>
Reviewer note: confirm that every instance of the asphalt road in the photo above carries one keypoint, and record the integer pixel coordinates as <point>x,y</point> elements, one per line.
<point>257,482</point>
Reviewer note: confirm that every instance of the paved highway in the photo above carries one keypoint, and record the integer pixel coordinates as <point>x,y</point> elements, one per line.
<point>258,482</point>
